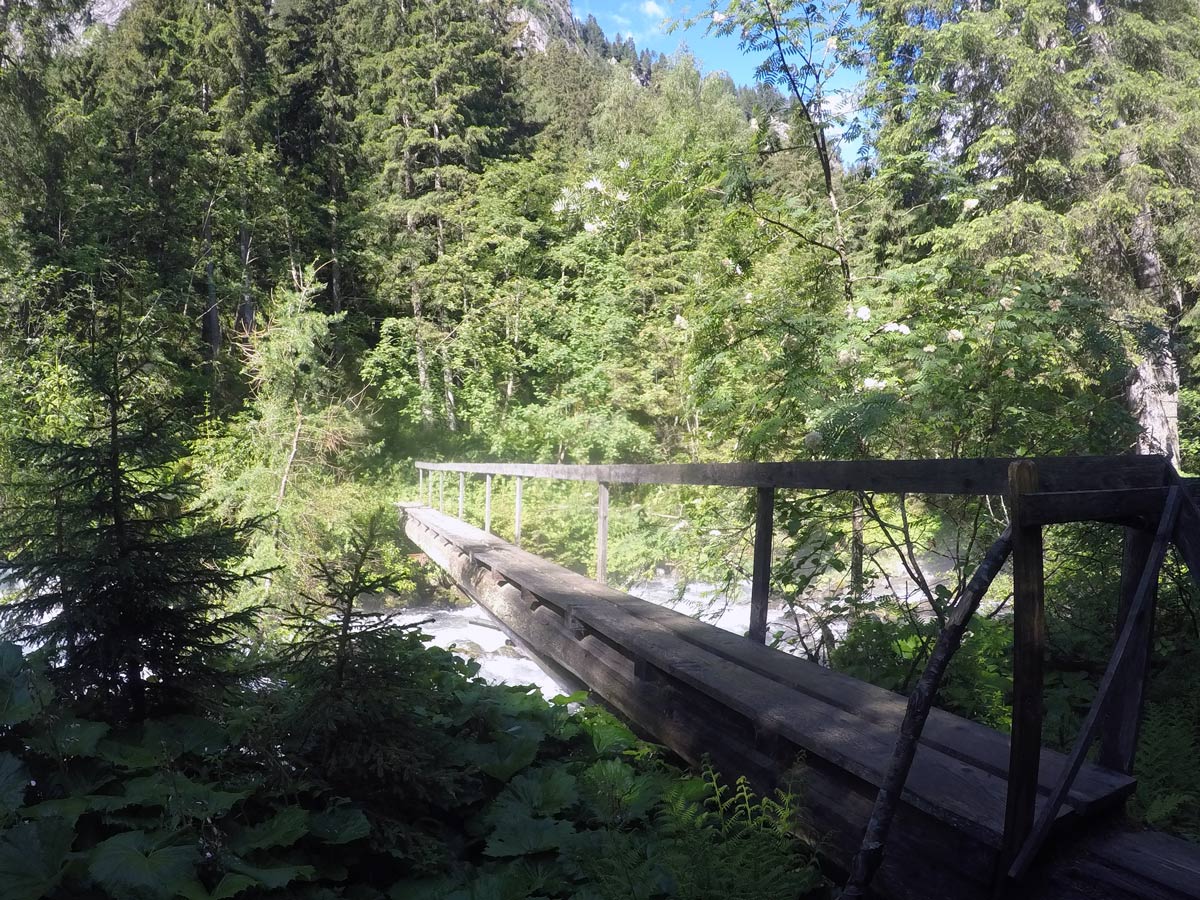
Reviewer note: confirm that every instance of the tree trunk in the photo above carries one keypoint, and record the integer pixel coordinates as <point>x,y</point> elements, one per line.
<point>245,313</point>
<point>418,307</point>
<point>210,322</point>
<point>1152,394</point>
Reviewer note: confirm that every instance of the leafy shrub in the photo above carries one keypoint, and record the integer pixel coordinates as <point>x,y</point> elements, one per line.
<point>411,778</point>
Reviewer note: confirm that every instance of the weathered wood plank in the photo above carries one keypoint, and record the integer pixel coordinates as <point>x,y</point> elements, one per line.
<point>1053,508</point>
<point>870,854</point>
<point>956,792</point>
<point>1029,648</point>
<point>487,505</point>
<point>1091,723</point>
<point>602,534</point>
<point>1187,529</point>
<point>760,585</point>
<point>915,476</point>
<point>927,858</point>
<point>1122,722</point>
<point>965,740</point>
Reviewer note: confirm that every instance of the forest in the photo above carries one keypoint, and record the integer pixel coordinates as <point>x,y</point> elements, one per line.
<point>259,256</point>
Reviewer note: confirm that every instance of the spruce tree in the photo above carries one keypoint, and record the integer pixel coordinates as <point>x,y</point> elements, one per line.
<point>122,574</point>
<point>1051,140</point>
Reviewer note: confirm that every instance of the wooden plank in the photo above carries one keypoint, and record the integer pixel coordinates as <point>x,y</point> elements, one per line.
<point>1122,722</point>
<point>487,505</point>
<point>916,476</point>
<point>947,788</point>
<point>1187,529</point>
<point>1091,723</point>
<point>1029,647</point>
<point>760,585</point>
<point>1053,508</point>
<point>602,534</point>
<point>517,517</point>
<point>922,863</point>
<point>1170,862</point>
<point>870,854</point>
<point>965,740</point>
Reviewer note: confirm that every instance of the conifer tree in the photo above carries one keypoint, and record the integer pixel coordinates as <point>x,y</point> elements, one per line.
<point>123,575</point>
<point>440,105</point>
<point>1055,140</point>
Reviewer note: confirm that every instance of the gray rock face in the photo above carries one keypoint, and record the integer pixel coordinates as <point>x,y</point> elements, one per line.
<point>545,21</point>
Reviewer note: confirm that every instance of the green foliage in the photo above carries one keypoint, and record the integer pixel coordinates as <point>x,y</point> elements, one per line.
<point>122,573</point>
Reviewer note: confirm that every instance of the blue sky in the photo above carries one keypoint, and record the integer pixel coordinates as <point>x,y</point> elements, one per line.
<point>645,21</point>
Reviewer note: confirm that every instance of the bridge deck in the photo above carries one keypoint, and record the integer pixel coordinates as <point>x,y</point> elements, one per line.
<point>701,690</point>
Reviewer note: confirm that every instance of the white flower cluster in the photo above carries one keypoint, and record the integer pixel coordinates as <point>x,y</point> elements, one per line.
<point>874,384</point>
<point>954,335</point>
<point>897,327</point>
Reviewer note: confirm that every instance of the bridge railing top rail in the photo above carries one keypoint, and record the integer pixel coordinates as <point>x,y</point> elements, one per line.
<point>971,476</point>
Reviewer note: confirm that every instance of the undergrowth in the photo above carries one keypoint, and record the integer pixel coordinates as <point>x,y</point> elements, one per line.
<point>415,781</point>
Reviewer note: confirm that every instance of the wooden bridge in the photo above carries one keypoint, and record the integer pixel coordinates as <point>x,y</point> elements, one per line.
<point>950,808</point>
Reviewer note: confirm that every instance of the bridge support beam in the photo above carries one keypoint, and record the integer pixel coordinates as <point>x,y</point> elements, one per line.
<point>1029,648</point>
<point>1119,733</point>
<point>517,516</point>
<point>760,581</point>
<point>487,505</point>
<point>602,535</point>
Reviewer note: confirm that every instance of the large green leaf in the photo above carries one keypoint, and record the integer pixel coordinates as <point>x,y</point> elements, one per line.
<point>271,877</point>
<point>186,734</point>
<point>14,778</point>
<point>230,885</point>
<point>519,835</point>
<point>33,857</point>
<point>340,825</point>
<point>16,699</point>
<point>132,864</point>
<point>180,794</point>
<point>67,735</point>
<point>281,830</point>
<point>542,791</point>
<point>506,758</point>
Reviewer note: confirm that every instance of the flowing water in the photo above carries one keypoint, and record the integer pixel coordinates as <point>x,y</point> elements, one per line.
<point>471,632</point>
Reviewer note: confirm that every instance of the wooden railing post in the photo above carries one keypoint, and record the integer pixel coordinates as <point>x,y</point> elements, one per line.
<point>462,493</point>
<point>1029,647</point>
<point>487,505</point>
<point>442,492</point>
<point>420,484</point>
<point>517,517</point>
<point>602,534</point>
<point>1119,731</point>
<point>760,581</point>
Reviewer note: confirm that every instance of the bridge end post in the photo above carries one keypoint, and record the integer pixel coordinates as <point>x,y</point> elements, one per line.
<point>517,516</point>
<point>1119,733</point>
<point>462,493</point>
<point>1029,647</point>
<point>487,505</point>
<point>602,534</point>
<point>760,583</point>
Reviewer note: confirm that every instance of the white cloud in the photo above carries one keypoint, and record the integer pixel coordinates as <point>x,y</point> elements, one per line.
<point>652,9</point>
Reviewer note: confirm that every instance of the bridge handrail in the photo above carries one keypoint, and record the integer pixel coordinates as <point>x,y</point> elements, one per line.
<point>972,476</point>
<point>1039,491</point>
